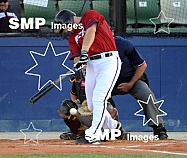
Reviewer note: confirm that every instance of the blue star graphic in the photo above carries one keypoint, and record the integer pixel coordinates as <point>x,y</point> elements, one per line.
<point>155,119</point>
<point>33,129</point>
<point>49,66</point>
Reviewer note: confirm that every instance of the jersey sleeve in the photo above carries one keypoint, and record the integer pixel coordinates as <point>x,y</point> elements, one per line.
<point>75,50</point>
<point>90,17</point>
<point>126,49</point>
<point>135,57</point>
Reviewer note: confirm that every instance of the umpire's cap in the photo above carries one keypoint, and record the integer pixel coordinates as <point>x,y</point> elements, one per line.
<point>65,16</point>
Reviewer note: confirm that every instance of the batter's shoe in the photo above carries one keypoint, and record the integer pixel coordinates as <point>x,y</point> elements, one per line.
<point>68,136</point>
<point>124,135</point>
<point>160,131</point>
<point>82,140</point>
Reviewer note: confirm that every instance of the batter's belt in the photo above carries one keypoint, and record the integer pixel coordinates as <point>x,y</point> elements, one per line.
<point>102,55</point>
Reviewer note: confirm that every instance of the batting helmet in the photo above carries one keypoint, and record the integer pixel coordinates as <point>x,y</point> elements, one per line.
<point>65,16</point>
<point>66,106</point>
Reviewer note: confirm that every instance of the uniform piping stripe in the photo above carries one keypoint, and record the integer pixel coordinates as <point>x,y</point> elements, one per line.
<point>106,98</point>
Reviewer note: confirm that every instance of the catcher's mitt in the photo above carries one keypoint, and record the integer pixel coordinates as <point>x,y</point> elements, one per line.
<point>66,106</point>
<point>83,110</point>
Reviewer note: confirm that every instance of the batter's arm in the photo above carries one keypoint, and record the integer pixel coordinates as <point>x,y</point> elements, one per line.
<point>87,42</point>
<point>89,37</point>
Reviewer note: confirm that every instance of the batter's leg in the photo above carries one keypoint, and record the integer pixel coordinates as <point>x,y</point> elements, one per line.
<point>90,80</point>
<point>107,71</point>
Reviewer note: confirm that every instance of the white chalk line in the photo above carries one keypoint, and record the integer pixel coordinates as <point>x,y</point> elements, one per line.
<point>130,148</point>
<point>142,150</point>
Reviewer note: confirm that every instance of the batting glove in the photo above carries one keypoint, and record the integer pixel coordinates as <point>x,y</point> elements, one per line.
<point>82,61</point>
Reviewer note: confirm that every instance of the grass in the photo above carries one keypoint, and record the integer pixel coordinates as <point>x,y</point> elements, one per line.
<point>92,155</point>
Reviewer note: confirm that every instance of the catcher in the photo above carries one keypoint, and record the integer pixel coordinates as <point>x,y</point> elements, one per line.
<point>82,120</point>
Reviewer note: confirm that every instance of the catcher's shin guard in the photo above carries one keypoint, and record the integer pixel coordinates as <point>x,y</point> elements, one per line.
<point>113,111</point>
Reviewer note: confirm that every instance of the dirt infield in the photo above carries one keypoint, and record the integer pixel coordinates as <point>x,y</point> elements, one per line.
<point>177,147</point>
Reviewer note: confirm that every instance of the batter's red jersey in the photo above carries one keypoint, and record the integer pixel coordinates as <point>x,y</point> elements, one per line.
<point>104,41</point>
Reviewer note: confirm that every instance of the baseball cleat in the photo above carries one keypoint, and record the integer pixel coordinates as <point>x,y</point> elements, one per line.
<point>160,131</point>
<point>68,136</point>
<point>82,140</point>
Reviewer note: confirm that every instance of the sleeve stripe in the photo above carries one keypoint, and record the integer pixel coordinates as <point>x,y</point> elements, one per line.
<point>141,63</point>
<point>91,22</point>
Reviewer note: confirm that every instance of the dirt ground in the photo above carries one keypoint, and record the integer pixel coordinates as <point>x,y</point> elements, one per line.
<point>170,146</point>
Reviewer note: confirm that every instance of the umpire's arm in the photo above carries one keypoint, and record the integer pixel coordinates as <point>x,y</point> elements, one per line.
<point>126,86</point>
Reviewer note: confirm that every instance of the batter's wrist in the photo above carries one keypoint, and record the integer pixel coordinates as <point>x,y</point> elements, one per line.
<point>83,52</point>
<point>84,56</point>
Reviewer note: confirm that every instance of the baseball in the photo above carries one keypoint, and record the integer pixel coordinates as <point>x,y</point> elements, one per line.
<point>73,111</point>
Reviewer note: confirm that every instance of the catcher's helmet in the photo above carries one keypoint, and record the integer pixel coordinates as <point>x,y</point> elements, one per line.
<point>66,106</point>
<point>65,16</point>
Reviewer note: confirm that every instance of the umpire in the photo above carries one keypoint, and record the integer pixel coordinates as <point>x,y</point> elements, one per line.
<point>133,81</point>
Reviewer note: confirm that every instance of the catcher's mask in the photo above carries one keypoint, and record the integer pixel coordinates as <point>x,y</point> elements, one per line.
<point>66,106</point>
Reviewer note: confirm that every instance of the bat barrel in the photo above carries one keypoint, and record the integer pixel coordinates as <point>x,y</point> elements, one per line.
<point>41,93</point>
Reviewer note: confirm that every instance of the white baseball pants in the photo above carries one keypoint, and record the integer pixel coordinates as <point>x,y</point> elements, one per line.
<point>101,76</point>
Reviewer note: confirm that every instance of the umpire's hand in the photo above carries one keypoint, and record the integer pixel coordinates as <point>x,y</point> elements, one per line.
<point>125,87</point>
<point>82,61</point>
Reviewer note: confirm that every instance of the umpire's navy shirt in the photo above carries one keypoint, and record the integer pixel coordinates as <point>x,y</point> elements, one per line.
<point>130,58</point>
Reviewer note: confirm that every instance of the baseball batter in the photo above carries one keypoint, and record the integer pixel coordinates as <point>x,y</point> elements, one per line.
<point>83,118</point>
<point>94,45</point>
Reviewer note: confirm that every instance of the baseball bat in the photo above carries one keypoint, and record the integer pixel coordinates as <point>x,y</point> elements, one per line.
<point>42,92</point>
